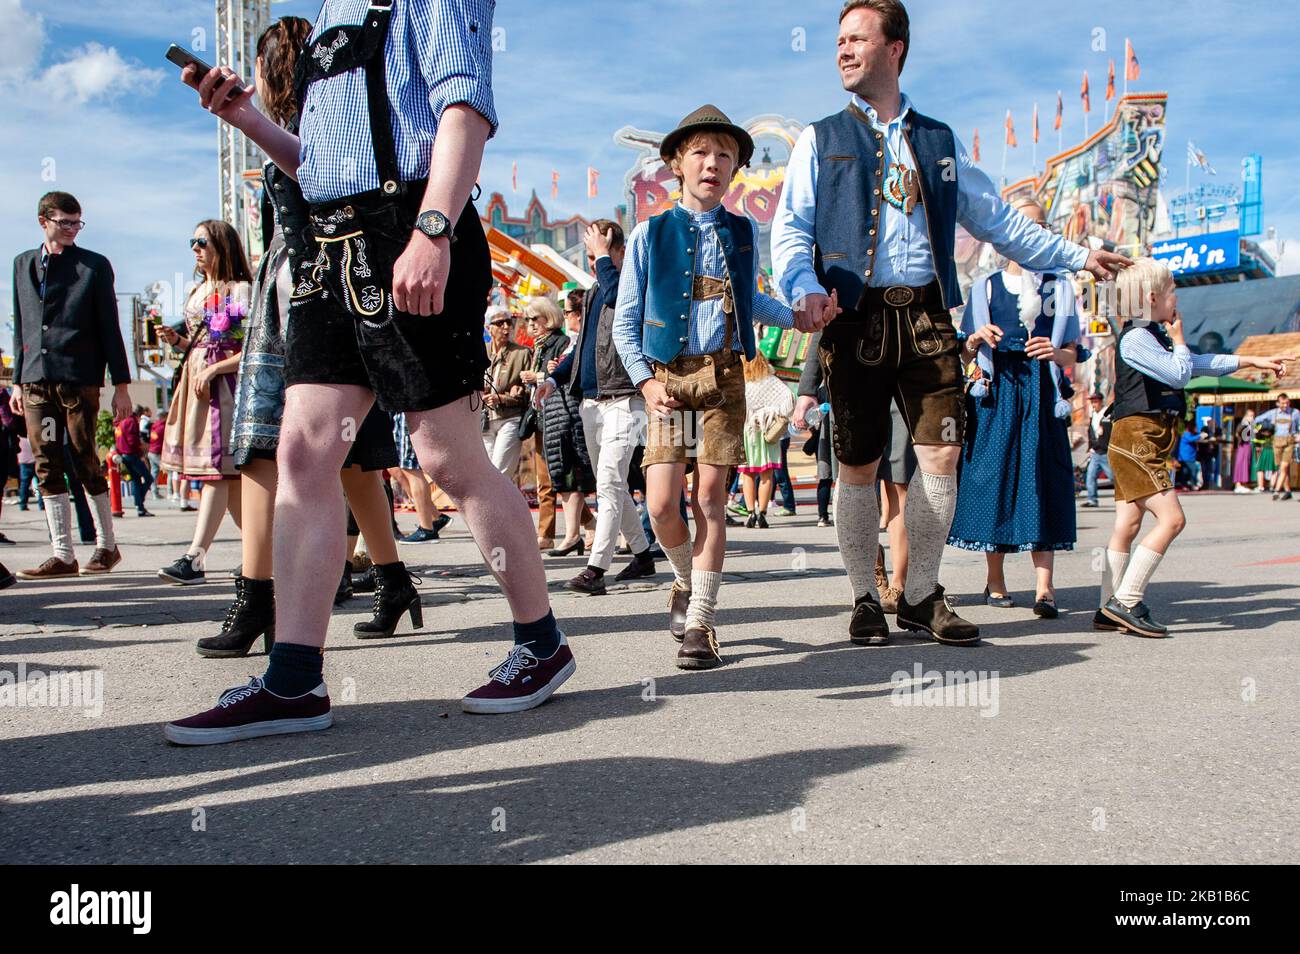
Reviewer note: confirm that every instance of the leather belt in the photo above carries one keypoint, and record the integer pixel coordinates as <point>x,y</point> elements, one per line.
<point>705,288</point>
<point>903,296</point>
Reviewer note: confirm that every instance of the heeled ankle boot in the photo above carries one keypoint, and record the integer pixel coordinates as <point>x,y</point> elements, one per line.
<point>395,594</point>
<point>251,615</point>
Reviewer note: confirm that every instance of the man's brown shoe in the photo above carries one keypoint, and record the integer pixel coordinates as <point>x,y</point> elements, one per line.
<point>889,598</point>
<point>699,649</point>
<point>678,600</point>
<point>51,569</point>
<point>101,561</point>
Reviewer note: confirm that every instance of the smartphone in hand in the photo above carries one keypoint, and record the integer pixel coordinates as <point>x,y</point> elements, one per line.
<point>183,58</point>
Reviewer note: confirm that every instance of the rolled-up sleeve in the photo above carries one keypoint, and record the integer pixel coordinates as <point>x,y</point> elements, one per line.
<point>456,59</point>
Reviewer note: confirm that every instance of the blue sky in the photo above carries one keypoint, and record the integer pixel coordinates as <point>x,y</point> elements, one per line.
<point>90,100</point>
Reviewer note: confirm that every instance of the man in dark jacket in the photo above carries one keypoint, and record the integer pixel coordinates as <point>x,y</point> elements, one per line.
<point>65,334</point>
<point>1098,447</point>
<point>613,414</point>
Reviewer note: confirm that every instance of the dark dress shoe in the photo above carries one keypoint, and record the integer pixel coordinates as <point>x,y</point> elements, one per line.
<point>1136,620</point>
<point>1103,622</point>
<point>656,552</point>
<point>344,591</point>
<point>589,582</point>
<point>1001,602</point>
<point>1046,609</point>
<point>678,601</point>
<point>699,649</point>
<point>642,566</point>
<point>733,522</point>
<point>364,582</point>
<point>935,615</point>
<point>867,626</point>
<point>7,579</point>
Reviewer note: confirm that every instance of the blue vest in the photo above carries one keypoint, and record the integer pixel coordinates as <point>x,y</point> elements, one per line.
<point>670,279</point>
<point>1004,311</point>
<point>850,182</point>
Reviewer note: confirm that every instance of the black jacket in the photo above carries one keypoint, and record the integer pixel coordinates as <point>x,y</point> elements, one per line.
<point>73,334</point>
<point>612,379</point>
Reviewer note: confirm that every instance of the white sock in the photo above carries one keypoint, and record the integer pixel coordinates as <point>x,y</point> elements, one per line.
<point>857,528</point>
<point>704,598</point>
<point>680,557</point>
<point>928,518</point>
<point>1116,561</point>
<point>1141,566</point>
<point>103,513</point>
<point>58,514</point>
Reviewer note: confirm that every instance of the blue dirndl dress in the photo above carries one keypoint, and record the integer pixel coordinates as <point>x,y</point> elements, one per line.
<point>1016,484</point>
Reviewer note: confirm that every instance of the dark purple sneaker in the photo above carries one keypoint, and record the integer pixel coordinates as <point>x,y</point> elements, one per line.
<point>522,682</point>
<point>245,712</point>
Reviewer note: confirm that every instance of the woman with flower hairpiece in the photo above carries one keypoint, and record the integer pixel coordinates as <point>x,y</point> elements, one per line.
<point>196,442</point>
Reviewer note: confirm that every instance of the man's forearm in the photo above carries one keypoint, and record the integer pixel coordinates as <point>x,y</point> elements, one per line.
<point>457,156</point>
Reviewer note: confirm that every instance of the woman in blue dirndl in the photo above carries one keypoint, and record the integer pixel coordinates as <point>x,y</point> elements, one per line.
<point>1016,489</point>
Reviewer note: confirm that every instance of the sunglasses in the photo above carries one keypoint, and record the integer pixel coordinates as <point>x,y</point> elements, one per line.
<point>503,323</point>
<point>198,243</point>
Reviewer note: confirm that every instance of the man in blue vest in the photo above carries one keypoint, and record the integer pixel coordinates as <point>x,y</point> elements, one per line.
<point>891,185</point>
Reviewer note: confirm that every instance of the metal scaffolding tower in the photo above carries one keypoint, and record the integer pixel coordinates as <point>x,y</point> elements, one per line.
<point>239,23</point>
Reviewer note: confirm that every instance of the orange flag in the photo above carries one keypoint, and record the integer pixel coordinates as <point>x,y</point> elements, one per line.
<point>1087,101</point>
<point>975,155</point>
<point>1110,82</point>
<point>1035,122</point>
<point>1132,70</point>
<point>555,184</point>
<point>592,177</point>
<point>1011,131</point>
<point>1060,108</point>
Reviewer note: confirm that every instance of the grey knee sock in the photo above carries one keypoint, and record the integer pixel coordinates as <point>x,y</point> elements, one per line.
<point>103,514</point>
<point>680,558</point>
<point>1116,562</point>
<point>58,514</point>
<point>928,517</point>
<point>704,599</point>
<point>857,528</point>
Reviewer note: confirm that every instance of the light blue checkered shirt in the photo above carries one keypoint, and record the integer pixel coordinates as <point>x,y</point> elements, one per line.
<point>708,325</point>
<point>438,53</point>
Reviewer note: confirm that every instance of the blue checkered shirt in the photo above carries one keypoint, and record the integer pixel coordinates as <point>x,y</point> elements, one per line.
<point>438,53</point>
<point>708,324</point>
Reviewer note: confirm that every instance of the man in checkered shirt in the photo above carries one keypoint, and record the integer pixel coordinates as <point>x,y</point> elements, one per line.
<point>391,286</point>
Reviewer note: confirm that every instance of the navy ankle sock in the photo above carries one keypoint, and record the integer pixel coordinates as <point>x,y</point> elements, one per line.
<point>294,669</point>
<point>543,636</point>
<point>596,571</point>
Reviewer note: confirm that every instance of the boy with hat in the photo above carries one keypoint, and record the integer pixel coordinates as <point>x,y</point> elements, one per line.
<point>687,303</point>
<point>1152,366</point>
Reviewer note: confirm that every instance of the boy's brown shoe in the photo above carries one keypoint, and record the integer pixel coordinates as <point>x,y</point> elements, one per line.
<point>101,561</point>
<point>51,569</point>
<point>699,649</point>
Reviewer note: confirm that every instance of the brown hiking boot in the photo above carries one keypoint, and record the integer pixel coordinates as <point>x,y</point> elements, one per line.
<point>678,601</point>
<point>699,649</point>
<point>51,569</point>
<point>889,597</point>
<point>101,561</point>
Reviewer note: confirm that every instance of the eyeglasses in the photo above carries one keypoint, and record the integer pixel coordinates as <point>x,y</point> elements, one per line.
<point>71,225</point>
<point>198,243</point>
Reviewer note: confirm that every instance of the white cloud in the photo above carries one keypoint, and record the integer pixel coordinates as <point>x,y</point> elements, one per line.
<point>22,37</point>
<point>94,72</point>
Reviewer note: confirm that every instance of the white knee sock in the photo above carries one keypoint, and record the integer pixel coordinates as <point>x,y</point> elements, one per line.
<point>928,518</point>
<point>857,528</point>
<point>704,598</point>
<point>680,557</point>
<point>1141,566</point>
<point>58,514</point>
<point>103,513</point>
<point>1116,561</point>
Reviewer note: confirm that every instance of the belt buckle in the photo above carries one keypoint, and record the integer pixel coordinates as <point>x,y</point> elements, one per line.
<point>899,296</point>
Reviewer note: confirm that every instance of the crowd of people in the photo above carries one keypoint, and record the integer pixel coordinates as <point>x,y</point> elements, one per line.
<point>358,348</point>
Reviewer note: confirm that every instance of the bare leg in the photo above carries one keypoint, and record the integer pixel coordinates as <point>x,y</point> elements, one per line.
<point>996,575</point>
<point>1170,520</point>
<point>573,516</point>
<point>1128,524</point>
<point>369,503</point>
<point>213,500</point>
<point>764,490</point>
<point>664,483</point>
<point>449,443</point>
<point>897,528</point>
<point>1044,561</point>
<point>310,519</point>
<point>709,501</point>
<point>421,494</point>
<point>258,480</point>
<point>751,496</point>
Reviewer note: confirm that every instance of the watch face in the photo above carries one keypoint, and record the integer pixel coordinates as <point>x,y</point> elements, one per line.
<point>432,223</point>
